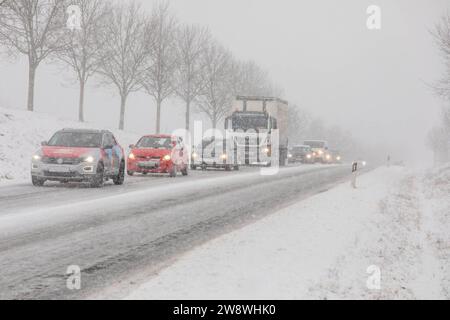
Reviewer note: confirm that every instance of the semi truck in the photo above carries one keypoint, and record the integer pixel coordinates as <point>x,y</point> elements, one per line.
<point>258,127</point>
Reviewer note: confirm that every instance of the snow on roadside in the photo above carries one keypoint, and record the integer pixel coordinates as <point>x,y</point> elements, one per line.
<point>21,133</point>
<point>318,248</point>
<point>436,186</point>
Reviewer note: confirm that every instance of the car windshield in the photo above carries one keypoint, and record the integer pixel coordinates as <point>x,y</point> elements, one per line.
<point>76,140</point>
<point>301,149</point>
<point>155,143</point>
<point>315,144</point>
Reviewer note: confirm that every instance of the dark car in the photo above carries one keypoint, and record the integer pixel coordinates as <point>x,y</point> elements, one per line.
<point>301,153</point>
<point>77,155</point>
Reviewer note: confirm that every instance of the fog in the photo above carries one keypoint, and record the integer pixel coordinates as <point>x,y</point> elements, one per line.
<point>321,53</point>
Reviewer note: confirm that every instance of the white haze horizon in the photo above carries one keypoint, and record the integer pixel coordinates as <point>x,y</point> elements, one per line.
<point>372,83</point>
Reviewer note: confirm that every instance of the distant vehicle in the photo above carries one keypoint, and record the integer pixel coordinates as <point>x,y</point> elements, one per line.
<point>92,156</point>
<point>158,154</point>
<point>336,156</point>
<point>215,153</point>
<point>319,149</point>
<point>301,153</point>
<point>252,116</point>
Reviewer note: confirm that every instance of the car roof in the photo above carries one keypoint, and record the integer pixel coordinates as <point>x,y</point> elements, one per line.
<point>84,130</point>
<point>159,136</point>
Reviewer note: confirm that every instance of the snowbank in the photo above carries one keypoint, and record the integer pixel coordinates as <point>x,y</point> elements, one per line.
<point>21,133</point>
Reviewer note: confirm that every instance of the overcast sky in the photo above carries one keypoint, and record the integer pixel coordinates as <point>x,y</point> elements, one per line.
<point>320,52</point>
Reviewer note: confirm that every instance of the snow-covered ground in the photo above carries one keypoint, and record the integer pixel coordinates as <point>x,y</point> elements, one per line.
<point>329,246</point>
<point>21,133</point>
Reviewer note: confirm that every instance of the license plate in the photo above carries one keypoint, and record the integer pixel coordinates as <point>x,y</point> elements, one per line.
<point>149,164</point>
<point>59,169</point>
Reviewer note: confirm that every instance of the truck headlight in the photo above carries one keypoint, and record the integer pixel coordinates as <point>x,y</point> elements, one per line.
<point>224,157</point>
<point>89,159</point>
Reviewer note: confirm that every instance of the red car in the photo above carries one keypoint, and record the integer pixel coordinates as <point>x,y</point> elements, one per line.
<point>81,156</point>
<point>158,154</point>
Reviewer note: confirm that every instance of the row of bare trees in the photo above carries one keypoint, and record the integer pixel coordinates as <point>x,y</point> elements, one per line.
<point>438,138</point>
<point>123,46</point>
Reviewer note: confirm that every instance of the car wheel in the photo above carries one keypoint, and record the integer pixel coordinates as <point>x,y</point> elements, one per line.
<point>173,172</point>
<point>99,179</point>
<point>130,173</point>
<point>185,172</point>
<point>121,176</point>
<point>227,168</point>
<point>37,182</point>
<point>193,167</point>
<point>236,168</point>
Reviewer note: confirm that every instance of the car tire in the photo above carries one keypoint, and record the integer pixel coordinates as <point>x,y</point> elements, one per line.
<point>185,172</point>
<point>120,178</point>
<point>236,168</point>
<point>227,168</point>
<point>193,167</point>
<point>173,172</point>
<point>130,173</point>
<point>37,182</point>
<point>99,179</point>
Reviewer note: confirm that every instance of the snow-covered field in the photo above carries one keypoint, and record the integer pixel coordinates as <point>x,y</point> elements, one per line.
<point>330,246</point>
<point>21,133</point>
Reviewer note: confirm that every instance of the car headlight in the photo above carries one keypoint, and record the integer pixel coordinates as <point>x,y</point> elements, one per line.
<point>266,150</point>
<point>338,158</point>
<point>167,158</point>
<point>328,157</point>
<point>89,159</point>
<point>194,155</point>
<point>320,152</point>
<point>309,156</point>
<point>36,157</point>
<point>131,156</point>
<point>289,155</point>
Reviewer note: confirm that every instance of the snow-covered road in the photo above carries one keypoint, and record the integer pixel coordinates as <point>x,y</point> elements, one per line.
<point>118,233</point>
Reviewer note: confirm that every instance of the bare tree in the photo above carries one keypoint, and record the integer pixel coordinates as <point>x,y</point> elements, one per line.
<point>298,123</point>
<point>189,81</point>
<point>83,52</point>
<point>35,29</point>
<point>159,79</point>
<point>442,37</point>
<point>125,51</point>
<point>218,95</point>
<point>250,80</point>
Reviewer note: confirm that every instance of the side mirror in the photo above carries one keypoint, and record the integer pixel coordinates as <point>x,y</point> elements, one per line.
<point>44,143</point>
<point>132,146</point>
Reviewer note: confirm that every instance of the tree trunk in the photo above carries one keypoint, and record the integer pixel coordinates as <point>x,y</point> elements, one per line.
<point>214,122</point>
<point>123,100</point>
<point>81,102</point>
<point>158,116</point>
<point>31,79</point>
<point>188,114</point>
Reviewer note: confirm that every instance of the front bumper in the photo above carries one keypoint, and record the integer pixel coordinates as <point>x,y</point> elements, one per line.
<point>211,163</point>
<point>54,172</point>
<point>153,166</point>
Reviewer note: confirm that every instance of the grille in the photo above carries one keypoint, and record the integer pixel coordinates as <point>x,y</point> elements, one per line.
<point>60,174</point>
<point>69,161</point>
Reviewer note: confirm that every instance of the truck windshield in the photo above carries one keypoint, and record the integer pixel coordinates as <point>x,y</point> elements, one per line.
<point>155,143</point>
<point>315,144</point>
<point>76,140</point>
